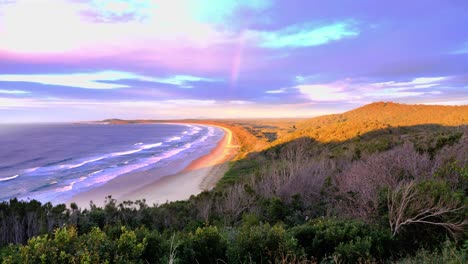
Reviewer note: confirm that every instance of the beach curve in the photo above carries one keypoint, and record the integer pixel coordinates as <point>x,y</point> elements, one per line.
<point>162,185</point>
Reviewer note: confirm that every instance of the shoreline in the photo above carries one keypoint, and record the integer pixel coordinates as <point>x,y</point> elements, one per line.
<point>161,185</point>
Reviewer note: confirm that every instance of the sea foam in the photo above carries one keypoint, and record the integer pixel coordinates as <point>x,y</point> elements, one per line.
<point>9,178</point>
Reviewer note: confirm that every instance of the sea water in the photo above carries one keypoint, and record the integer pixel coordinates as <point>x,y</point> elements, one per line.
<point>53,162</point>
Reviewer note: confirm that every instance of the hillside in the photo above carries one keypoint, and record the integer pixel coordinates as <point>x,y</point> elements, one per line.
<point>377,116</point>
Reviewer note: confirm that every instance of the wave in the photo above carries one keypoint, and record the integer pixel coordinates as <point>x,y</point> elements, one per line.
<point>31,170</point>
<point>73,166</point>
<point>123,153</point>
<point>137,144</point>
<point>57,162</point>
<point>148,146</point>
<point>9,178</point>
<point>173,139</point>
<point>20,163</point>
<point>69,187</point>
<point>194,130</point>
<point>142,164</point>
<point>95,172</point>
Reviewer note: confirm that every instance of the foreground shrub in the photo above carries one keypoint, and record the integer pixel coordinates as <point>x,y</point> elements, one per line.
<point>449,254</point>
<point>67,247</point>
<point>206,245</point>
<point>347,240</point>
<point>261,244</point>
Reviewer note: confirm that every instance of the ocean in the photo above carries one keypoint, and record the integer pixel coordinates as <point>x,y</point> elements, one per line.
<point>54,162</point>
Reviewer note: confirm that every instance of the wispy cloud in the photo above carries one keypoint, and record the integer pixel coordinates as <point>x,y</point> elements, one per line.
<point>180,80</point>
<point>3,91</point>
<point>349,90</point>
<point>462,50</point>
<point>99,80</point>
<point>305,35</point>
<point>330,92</point>
<point>198,10</point>
<point>278,91</point>
<point>416,87</point>
<point>416,83</point>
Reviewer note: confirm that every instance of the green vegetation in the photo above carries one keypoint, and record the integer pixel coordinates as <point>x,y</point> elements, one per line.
<point>393,194</point>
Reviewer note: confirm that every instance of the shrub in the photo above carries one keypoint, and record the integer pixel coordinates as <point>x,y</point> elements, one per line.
<point>261,244</point>
<point>347,239</point>
<point>449,254</point>
<point>207,245</point>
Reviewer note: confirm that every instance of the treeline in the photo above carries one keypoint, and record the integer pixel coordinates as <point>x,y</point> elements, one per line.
<point>388,196</point>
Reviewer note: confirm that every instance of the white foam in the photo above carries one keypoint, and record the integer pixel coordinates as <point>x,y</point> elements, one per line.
<point>123,153</point>
<point>9,178</point>
<point>31,170</point>
<point>72,166</point>
<point>144,163</point>
<point>173,139</point>
<point>148,146</point>
<point>69,187</point>
<point>95,172</point>
<point>194,130</point>
<point>115,154</point>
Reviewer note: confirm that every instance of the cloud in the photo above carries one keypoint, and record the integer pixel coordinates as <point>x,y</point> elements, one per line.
<point>35,26</point>
<point>279,91</point>
<point>220,10</point>
<point>462,50</point>
<point>79,80</point>
<point>455,102</point>
<point>305,35</point>
<point>416,83</point>
<point>349,90</point>
<point>336,91</point>
<point>386,94</point>
<point>99,80</point>
<point>2,91</point>
<point>119,10</point>
<point>197,10</point>
<point>180,80</point>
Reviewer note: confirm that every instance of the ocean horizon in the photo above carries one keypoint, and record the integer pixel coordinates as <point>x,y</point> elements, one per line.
<point>54,162</point>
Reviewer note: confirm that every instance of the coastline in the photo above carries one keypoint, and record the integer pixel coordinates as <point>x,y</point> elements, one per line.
<point>161,185</point>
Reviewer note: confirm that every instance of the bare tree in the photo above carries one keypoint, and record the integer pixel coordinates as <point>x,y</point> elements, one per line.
<point>295,172</point>
<point>406,207</point>
<point>359,186</point>
<point>236,201</point>
<point>204,207</point>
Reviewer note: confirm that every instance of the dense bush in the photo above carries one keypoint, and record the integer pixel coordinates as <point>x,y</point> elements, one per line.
<point>65,246</point>
<point>206,245</point>
<point>261,244</point>
<point>346,239</point>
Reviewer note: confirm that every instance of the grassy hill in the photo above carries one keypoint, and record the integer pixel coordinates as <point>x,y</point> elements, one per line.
<point>377,116</point>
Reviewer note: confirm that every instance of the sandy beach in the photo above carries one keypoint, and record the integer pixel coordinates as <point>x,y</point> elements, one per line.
<point>162,185</point>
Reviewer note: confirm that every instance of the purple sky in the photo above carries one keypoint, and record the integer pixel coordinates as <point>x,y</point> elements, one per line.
<point>69,60</point>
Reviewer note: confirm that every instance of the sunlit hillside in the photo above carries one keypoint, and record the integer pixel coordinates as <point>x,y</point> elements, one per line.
<point>377,116</point>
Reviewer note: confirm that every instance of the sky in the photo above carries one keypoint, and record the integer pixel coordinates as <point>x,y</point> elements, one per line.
<point>72,60</point>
